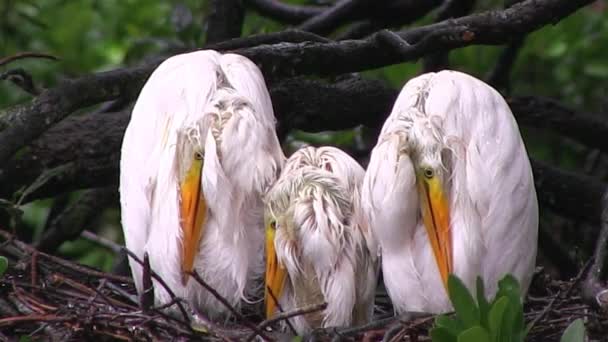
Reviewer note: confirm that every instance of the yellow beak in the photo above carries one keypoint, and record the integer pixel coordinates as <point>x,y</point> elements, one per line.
<point>275,274</point>
<point>192,216</point>
<point>435,214</point>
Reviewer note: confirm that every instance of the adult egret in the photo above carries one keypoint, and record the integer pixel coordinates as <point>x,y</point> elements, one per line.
<point>318,247</point>
<point>449,189</point>
<point>197,155</point>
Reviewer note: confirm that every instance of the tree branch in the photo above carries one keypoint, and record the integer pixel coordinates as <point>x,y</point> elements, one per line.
<point>450,9</point>
<point>90,144</point>
<point>333,17</point>
<point>73,220</point>
<point>23,123</point>
<point>225,20</point>
<point>589,129</point>
<point>286,13</point>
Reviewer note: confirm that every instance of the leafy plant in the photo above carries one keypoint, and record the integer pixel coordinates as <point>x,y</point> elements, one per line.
<point>500,320</point>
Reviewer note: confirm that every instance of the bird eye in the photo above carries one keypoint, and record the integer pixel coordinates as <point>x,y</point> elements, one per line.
<point>198,156</point>
<point>273,225</point>
<point>428,173</point>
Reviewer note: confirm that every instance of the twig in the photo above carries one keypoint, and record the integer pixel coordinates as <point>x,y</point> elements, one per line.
<point>28,54</point>
<point>548,307</point>
<point>146,299</point>
<point>224,302</point>
<point>164,285</point>
<point>101,241</point>
<point>284,316</point>
<point>276,301</point>
<point>79,268</point>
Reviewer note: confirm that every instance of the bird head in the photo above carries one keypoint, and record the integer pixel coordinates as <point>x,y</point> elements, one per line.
<point>307,211</point>
<point>431,160</point>
<point>193,207</point>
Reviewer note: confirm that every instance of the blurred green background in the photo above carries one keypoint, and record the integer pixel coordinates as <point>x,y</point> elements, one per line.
<point>568,61</point>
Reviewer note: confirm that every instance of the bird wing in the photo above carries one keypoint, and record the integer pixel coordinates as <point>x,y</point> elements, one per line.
<point>178,89</point>
<point>493,169</point>
<point>253,152</point>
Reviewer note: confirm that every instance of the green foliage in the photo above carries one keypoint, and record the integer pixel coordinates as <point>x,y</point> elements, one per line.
<point>575,332</point>
<point>3,265</point>
<point>501,320</point>
<point>479,320</point>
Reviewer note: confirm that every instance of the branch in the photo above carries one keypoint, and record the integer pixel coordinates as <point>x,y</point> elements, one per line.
<point>286,13</point>
<point>21,79</point>
<point>450,9</point>
<point>335,16</point>
<point>589,129</point>
<point>23,55</point>
<point>73,220</point>
<point>23,123</point>
<point>493,27</point>
<point>225,20</point>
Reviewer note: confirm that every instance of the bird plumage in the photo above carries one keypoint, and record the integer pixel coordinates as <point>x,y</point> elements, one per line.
<point>213,109</point>
<point>451,132</point>
<point>321,239</point>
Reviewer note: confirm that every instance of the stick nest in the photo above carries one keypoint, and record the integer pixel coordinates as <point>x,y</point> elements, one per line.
<point>49,298</point>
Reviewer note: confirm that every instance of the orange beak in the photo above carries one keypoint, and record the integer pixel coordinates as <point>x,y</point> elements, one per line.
<point>435,214</point>
<point>275,274</point>
<point>192,216</point>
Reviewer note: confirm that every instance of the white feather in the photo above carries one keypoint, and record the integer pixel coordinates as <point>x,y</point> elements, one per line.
<point>217,105</point>
<point>465,129</point>
<point>321,239</point>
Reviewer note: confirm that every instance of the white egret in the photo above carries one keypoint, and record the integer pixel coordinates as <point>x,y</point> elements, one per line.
<point>449,189</point>
<point>198,153</point>
<point>318,247</point>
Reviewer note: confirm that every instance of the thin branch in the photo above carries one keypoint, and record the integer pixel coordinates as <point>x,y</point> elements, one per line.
<point>286,13</point>
<point>290,314</point>
<point>224,302</point>
<point>164,285</point>
<point>225,20</point>
<point>21,79</point>
<point>333,17</point>
<point>101,241</point>
<point>24,55</point>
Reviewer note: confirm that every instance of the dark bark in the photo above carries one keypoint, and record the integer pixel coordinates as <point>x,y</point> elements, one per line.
<point>286,13</point>
<point>23,123</point>
<point>225,20</point>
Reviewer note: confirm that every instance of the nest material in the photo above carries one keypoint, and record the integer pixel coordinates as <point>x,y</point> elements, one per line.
<point>49,298</point>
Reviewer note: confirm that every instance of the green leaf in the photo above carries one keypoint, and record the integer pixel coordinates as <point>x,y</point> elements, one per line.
<point>3,265</point>
<point>454,327</point>
<point>297,339</point>
<point>484,306</point>
<point>474,334</point>
<point>575,332</point>
<point>463,302</point>
<point>441,335</point>
<point>495,320</point>
<point>514,314</point>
